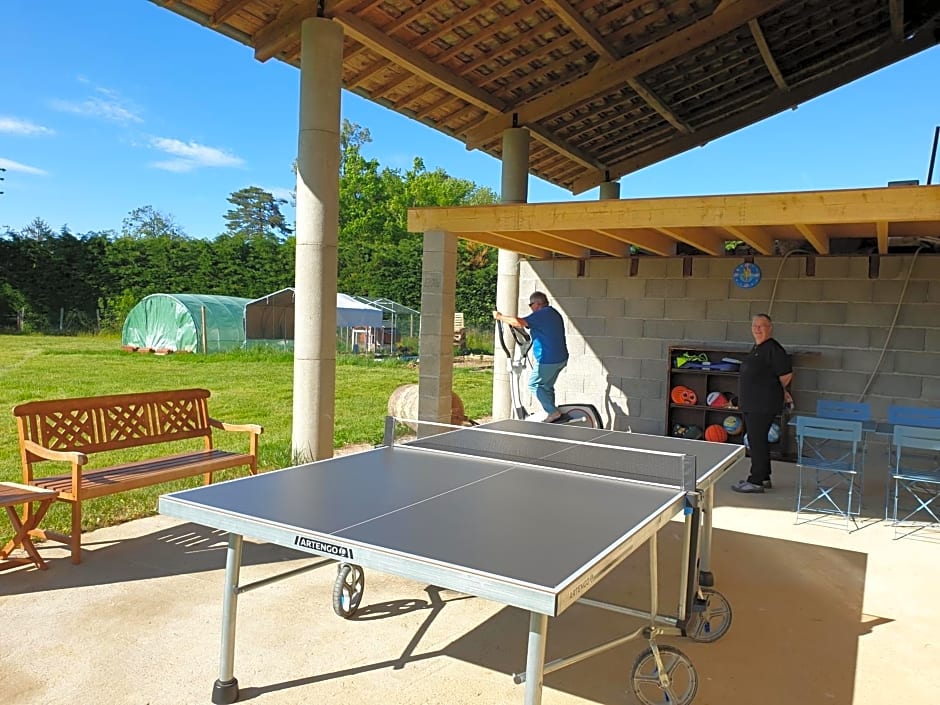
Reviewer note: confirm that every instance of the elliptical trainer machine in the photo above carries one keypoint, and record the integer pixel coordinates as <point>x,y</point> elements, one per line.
<point>517,361</point>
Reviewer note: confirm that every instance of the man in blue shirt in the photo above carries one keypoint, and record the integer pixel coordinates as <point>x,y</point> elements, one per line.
<point>548,348</point>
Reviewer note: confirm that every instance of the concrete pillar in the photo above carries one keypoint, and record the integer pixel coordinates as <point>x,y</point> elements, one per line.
<point>515,189</point>
<point>318,155</point>
<point>438,289</point>
<point>610,190</point>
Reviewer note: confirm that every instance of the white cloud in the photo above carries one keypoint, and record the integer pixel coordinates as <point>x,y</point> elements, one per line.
<point>111,107</point>
<point>192,155</point>
<point>11,165</point>
<point>16,126</point>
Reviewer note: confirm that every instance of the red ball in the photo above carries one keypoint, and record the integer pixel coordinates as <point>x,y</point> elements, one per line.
<point>716,433</point>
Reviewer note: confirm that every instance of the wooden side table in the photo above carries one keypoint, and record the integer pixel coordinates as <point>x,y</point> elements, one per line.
<point>12,494</point>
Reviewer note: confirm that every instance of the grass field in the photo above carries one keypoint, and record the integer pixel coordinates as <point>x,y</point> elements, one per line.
<point>247,387</point>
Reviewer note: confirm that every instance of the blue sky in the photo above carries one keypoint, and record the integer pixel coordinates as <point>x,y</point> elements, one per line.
<point>109,105</point>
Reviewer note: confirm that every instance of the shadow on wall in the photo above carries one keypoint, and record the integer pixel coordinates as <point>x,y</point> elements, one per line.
<point>617,416</point>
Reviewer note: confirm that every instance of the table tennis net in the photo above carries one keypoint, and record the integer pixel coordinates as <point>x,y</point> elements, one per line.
<point>671,469</point>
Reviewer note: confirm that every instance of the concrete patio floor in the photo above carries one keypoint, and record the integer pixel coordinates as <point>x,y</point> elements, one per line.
<point>820,616</point>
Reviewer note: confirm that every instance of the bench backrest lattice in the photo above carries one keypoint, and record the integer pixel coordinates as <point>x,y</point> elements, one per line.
<point>97,424</point>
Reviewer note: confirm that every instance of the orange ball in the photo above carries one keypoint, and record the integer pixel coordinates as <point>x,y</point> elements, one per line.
<point>716,433</point>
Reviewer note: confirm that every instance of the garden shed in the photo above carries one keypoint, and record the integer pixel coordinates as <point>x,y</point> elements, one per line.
<point>186,323</point>
<point>269,320</point>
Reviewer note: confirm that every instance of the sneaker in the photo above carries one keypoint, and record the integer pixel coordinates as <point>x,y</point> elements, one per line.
<point>554,416</point>
<point>537,416</point>
<point>767,484</point>
<point>746,487</point>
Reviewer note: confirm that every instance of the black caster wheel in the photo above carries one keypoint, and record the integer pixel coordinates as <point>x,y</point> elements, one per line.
<point>672,680</point>
<point>710,618</point>
<point>348,589</point>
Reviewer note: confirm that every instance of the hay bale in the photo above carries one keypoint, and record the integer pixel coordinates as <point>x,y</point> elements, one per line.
<point>403,404</point>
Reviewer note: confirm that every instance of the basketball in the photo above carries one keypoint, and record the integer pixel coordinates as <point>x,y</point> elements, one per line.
<point>683,395</point>
<point>732,424</point>
<point>716,434</point>
<point>717,399</point>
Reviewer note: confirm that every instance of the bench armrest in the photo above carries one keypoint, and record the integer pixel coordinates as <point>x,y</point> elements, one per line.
<point>247,427</point>
<point>46,454</point>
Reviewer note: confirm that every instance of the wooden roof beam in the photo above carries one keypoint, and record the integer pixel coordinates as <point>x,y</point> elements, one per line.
<point>906,204</point>
<point>656,103</point>
<point>607,76</point>
<point>706,243</point>
<point>756,238</point>
<point>594,240</point>
<point>896,12</point>
<point>881,232</point>
<point>417,63</point>
<point>815,236</point>
<point>576,22</point>
<point>543,240</point>
<point>767,55</point>
<point>283,30</point>
<point>503,243</point>
<point>646,239</point>
<point>226,10</point>
<point>773,105</point>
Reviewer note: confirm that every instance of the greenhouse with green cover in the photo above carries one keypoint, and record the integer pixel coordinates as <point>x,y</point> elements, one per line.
<point>186,323</point>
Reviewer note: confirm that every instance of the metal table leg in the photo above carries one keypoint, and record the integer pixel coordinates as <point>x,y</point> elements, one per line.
<point>535,658</point>
<point>225,689</point>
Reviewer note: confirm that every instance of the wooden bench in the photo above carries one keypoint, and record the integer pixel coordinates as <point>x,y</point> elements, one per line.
<point>70,430</point>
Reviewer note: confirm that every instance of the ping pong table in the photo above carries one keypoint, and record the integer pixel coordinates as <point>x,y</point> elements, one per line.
<point>529,515</point>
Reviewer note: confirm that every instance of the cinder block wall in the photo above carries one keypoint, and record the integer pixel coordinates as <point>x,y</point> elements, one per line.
<point>835,322</point>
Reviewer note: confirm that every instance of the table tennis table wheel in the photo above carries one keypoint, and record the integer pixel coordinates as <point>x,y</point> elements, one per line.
<point>348,589</point>
<point>706,578</point>
<point>664,663</point>
<point>710,618</point>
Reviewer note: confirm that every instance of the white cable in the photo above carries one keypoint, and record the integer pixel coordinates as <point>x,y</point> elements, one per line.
<point>773,294</point>
<point>897,312</point>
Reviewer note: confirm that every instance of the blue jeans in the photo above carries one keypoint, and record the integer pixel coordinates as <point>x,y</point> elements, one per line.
<point>542,383</point>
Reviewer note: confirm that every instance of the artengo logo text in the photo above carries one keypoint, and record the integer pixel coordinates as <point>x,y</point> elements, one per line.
<point>323,547</point>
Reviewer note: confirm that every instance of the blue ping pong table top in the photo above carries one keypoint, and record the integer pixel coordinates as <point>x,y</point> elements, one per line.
<point>532,537</point>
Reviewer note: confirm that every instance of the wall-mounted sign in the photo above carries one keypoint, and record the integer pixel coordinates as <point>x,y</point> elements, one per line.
<point>746,275</point>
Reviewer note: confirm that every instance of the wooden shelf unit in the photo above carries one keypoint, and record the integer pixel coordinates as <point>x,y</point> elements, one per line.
<point>705,381</point>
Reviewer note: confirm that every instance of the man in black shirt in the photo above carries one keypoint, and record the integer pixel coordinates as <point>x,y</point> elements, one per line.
<point>762,391</point>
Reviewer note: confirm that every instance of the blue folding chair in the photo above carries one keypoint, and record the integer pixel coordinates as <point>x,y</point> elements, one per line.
<point>914,416</point>
<point>831,453</point>
<point>906,416</point>
<point>845,410</point>
<point>916,471</point>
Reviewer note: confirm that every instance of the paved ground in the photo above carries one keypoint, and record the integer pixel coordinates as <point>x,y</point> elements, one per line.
<point>820,616</point>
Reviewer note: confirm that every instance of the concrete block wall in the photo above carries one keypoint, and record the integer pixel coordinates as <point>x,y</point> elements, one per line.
<point>836,323</point>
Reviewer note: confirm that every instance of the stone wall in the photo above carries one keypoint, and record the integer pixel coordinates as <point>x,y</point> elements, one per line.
<point>835,322</point>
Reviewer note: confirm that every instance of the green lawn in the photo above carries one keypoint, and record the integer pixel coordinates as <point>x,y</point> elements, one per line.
<point>247,387</point>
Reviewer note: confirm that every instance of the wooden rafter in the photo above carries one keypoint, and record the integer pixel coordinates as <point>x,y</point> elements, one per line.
<point>772,105</point>
<point>709,244</point>
<point>761,241</point>
<point>277,34</point>
<point>767,55</point>
<point>549,242</point>
<point>881,233</point>
<point>608,76</point>
<point>417,63</point>
<point>896,12</point>
<point>226,10</point>
<point>657,104</point>
<point>594,240</point>
<point>576,22</point>
<point>815,236</point>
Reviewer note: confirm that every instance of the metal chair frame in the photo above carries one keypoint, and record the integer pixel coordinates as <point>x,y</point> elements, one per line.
<point>833,452</point>
<point>916,469</point>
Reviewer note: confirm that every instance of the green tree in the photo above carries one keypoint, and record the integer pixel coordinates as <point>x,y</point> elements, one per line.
<point>148,222</point>
<point>256,213</point>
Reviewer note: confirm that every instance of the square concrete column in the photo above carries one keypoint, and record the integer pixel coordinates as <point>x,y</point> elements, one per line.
<point>436,349</point>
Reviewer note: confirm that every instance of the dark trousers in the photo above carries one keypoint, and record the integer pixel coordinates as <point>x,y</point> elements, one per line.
<point>757,425</point>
